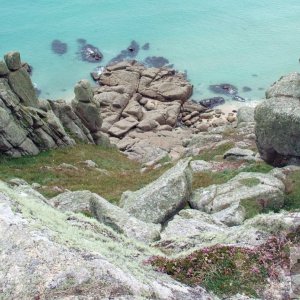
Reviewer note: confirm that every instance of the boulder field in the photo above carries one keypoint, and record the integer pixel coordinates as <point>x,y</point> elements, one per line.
<point>50,249</point>
<point>78,245</point>
<point>146,112</point>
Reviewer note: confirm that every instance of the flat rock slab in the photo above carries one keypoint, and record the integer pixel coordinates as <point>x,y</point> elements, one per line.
<point>161,199</point>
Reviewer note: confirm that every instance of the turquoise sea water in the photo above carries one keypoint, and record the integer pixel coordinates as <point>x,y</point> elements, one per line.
<point>242,42</point>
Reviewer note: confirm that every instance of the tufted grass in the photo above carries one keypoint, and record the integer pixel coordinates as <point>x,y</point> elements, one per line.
<point>292,200</point>
<point>117,173</point>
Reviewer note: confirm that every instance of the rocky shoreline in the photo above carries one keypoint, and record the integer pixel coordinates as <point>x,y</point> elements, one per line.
<point>216,196</point>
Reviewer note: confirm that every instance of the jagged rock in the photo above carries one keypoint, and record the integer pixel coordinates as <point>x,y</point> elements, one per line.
<point>13,60</point>
<point>106,213</point>
<point>21,84</point>
<point>240,197</point>
<point>3,68</point>
<point>66,255</point>
<point>278,122</point>
<point>161,199</point>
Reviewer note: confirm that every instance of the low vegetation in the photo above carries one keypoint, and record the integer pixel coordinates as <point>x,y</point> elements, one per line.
<point>292,201</point>
<point>228,270</point>
<point>204,179</point>
<point>213,154</point>
<point>114,173</point>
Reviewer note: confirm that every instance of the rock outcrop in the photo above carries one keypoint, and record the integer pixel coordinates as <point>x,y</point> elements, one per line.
<point>278,122</point>
<point>48,254</point>
<point>29,125</point>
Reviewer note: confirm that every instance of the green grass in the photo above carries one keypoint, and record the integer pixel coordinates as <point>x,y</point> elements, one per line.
<point>123,174</point>
<point>292,200</point>
<point>204,179</point>
<point>250,182</point>
<point>211,154</point>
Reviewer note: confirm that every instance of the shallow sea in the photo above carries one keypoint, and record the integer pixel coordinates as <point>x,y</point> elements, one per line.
<point>247,43</point>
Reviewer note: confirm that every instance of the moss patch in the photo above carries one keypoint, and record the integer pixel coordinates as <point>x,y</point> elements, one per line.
<point>250,182</point>
<point>292,200</point>
<point>114,175</point>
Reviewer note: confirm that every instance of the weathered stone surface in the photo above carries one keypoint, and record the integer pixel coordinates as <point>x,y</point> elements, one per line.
<point>245,114</point>
<point>287,86</point>
<point>83,91</point>
<point>277,121</point>
<point>123,126</point>
<point>245,192</point>
<point>3,68</point>
<point>106,213</point>
<point>13,60</point>
<point>162,198</point>
<point>21,84</point>
<point>60,255</point>
<point>239,154</point>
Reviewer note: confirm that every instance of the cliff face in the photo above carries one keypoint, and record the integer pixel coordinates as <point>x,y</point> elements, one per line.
<point>28,125</point>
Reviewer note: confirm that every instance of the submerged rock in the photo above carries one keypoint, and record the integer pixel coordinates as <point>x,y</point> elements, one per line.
<point>223,88</point>
<point>156,61</point>
<point>161,199</point>
<point>238,98</point>
<point>59,47</point>
<point>129,53</point>
<point>90,53</point>
<point>146,46</point>
<point>212,102</point>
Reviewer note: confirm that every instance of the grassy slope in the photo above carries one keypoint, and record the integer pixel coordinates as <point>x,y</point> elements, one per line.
<point>123,174</point>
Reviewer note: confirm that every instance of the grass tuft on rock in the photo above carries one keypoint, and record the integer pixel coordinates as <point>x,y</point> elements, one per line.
<point>114,175</point>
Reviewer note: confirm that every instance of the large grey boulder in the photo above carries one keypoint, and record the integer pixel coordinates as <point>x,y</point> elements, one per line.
<point>240,198</point>
<point>278,121</point>
<point>161,199</point>
<point>48,254</point>
<point>111,215</point>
